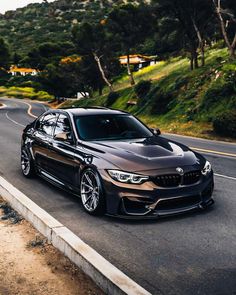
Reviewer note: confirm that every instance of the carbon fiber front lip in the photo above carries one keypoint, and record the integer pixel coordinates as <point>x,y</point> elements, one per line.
<point>155,214</point>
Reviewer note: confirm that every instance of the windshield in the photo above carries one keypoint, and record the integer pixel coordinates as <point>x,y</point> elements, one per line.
<point>110,127</point>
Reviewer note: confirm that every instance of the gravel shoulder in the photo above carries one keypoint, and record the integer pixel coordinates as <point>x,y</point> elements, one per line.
<point>29,265</point>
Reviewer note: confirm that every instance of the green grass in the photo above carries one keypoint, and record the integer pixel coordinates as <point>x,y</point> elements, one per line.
<point>180,101</point>
<point>26,93</point>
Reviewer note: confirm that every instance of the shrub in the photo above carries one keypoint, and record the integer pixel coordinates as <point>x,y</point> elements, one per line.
<point>112,98</point>
<point>218,90</point>
<point>142,88</point>
<point>161,103</point>
<point>28,92</point>
<point>225,124</point>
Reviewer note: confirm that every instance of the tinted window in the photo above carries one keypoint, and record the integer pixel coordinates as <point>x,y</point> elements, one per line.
<point>108,127</point>
<point>47,123</point>
<point>62,125</point>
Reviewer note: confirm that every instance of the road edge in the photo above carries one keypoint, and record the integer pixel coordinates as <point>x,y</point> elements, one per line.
<point>2,106</point>
<point>109,278</point>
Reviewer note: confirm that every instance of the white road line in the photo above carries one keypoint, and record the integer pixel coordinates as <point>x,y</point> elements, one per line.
<point>13,121</point>
<point>225,176</point>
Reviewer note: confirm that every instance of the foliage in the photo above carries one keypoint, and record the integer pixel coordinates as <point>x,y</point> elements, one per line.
<point>175,100</point>
<point>92,40</point>
<point>29,27</point>
<point>142,88</point>
<point>4,54</point>
<point>225,124</point>
<point>25,92</point>
<point>112,98</point>
<point>161,103</point>
<point>47,53</point>
<point>130,24</point>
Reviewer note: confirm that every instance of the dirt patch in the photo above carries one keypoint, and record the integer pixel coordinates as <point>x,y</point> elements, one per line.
<point>29,265</point>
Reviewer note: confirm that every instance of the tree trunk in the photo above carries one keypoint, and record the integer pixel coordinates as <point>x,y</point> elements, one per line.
<point>98,61</point>
<point>130,74</point>
<point>201,42</point>
<point>194,59</point>
<point>191,62</point>
<point>231,47</point>
<point>202,55</point>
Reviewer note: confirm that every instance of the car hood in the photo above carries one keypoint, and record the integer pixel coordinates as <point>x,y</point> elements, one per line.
<point>144,154</point>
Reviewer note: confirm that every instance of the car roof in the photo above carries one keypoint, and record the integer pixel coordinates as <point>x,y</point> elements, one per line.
<point>92,111</point>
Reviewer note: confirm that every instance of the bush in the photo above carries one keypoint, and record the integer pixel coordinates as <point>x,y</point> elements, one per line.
<point>161,104</point>
<point>225,124</point>
<point>142,88</point>
<point>218,90</point>
<point>112,98</point>
<point>27,92</point>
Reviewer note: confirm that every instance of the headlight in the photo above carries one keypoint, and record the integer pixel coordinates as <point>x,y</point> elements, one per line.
<point>126,177</point>
<point>207,168</point>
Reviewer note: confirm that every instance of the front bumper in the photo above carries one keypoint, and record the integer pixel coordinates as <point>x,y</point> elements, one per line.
<point>149,201</point>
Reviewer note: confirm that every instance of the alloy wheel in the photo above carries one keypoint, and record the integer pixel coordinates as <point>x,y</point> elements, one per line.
<point>90,192</point>
<point>25,163</point>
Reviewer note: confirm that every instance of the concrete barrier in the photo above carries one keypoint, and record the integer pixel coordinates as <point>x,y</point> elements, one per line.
<point>104,274</point>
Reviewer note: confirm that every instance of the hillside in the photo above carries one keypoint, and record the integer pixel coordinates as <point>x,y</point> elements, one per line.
<point>30,26</point>
<point>180,100</point>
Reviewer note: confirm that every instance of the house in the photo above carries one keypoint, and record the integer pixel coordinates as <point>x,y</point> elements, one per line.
<point>139,61</point>
<point>15,71</point>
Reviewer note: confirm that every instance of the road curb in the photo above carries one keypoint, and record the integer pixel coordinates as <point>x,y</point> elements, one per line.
<point>103,273</point>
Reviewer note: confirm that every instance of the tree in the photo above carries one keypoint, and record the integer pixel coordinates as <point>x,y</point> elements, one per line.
<point>70,76</point>
<point>131,25</point>
<point>202,17</point>
<point>48,53</point>
<point>193,17</point>
<point>91,40</point>
<point>16,58</point>
<point>4,54</point>
<point>227,20</point>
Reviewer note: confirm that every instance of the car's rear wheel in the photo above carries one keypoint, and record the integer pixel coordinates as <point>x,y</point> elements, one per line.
<point>27,165</point>
<point>92,193</point>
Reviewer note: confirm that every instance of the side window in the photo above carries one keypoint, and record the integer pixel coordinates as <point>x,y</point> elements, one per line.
<point>63,125</point>
<point>47,124</point>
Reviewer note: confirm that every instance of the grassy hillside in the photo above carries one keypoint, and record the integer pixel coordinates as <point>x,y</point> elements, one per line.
<point>180,100</point>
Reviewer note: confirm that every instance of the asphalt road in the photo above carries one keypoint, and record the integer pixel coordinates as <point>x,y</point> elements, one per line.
<point>189,254</point>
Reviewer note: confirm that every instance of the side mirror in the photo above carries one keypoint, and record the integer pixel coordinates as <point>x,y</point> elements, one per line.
<point>61,136</point>
<point>156,131</point>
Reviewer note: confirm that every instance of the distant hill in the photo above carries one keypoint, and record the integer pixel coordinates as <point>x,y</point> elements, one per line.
<point>34,24</point>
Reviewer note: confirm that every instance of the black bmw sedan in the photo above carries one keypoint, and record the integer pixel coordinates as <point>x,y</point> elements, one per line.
<point>115,163</point>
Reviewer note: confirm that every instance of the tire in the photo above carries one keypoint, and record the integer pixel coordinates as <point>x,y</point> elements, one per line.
<point>27,164</point>
<point>91,192</point>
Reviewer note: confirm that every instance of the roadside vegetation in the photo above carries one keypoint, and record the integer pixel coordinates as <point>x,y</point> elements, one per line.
<point>26,93</point>
<point>190,90</point>
<point>178,100</point>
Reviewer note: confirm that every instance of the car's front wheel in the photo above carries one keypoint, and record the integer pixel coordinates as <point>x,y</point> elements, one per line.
<point>91,192</point>
<point>27,165</point>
